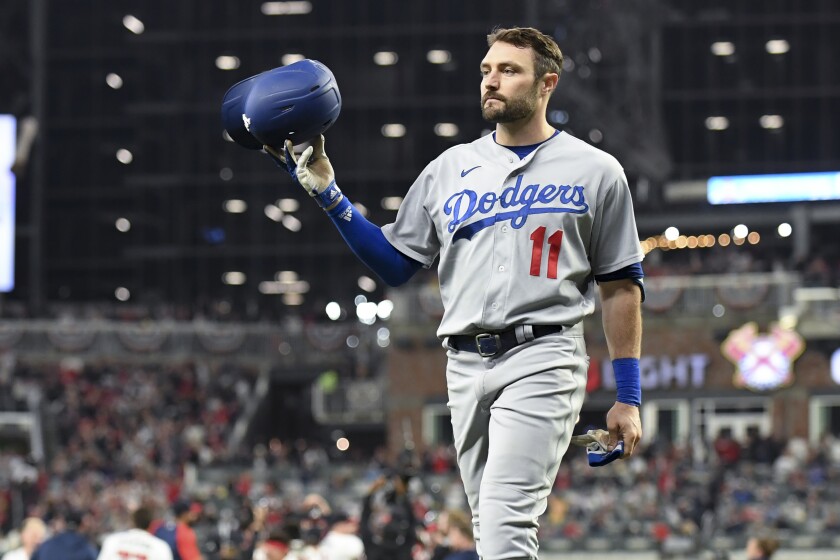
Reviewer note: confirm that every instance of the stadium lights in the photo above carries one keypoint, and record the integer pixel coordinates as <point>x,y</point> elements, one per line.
<point>291,223</point>
<point>384,309</point>
<point>447,130</point>
<point>717,123</point>
<point>227,62</point>
<point>596,136</point>
<point>771,122</point>
<point>122,294</point>
<point>385,58</point>
<point>392,202</point>
<point>273,287</point>
<point>124,156</point>
<point>133,24</point>
<point>777,46</point>
<point>438,56</point>
<point>333,310</point>
<point>114,81</point>
<point>291,58</point>
<point>723,48</point>
<point>361,208</point>
<point>226,174</point>
<point>367,283</point>
<point>273,213</point>
<point>672,240</point>
<point>383,337</point>
<point>234,278</point>
<point>286,276</point>
<point>292,299</point>
<point>366,312</point>
<point>235,206</point>
<point>286,8</point>
<point>393,130</point>
<point>288,204</point>
<point>558,116</point>
<point>122,225</point>
<point>784,229</point>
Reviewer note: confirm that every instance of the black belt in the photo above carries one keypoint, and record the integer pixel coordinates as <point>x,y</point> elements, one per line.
<point>490,344</point>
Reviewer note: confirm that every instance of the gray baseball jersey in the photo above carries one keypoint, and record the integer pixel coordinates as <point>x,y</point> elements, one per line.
<point>519,240</point>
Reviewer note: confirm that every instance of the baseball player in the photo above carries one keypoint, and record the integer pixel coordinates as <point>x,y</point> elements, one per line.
<point>523,221</point>
<point>136,543</point>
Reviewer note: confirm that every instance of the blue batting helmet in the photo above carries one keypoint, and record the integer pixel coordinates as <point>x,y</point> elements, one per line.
<point>295,102</point>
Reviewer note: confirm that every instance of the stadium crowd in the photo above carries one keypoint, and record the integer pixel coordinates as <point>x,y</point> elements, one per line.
<point>131,436</point>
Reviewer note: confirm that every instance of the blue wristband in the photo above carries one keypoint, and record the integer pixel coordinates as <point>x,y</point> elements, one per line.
<point>627,382</point>
<point>328,195</point>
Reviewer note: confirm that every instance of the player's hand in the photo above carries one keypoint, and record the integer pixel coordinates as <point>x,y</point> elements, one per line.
<point>624,424</point>
<point>313,170</point>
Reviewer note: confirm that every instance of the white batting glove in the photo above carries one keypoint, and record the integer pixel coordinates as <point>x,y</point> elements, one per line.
<point>313,170</point>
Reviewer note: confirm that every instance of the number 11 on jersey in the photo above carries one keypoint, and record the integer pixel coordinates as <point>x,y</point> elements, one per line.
<point>554,242</point>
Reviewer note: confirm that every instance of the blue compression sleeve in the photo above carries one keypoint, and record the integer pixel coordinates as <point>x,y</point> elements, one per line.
<point>367,242</point>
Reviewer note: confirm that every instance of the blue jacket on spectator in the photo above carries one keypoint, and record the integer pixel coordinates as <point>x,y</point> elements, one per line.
<point>68,545</point>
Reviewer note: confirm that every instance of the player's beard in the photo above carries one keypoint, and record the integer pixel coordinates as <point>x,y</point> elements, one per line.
<point>513,109</point>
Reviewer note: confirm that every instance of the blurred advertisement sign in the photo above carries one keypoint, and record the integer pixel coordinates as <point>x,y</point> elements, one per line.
<point>7,203</point>
<point>655,372</point>
<point>835,366</point>
<point>763,361</point>
<point>782,187</point>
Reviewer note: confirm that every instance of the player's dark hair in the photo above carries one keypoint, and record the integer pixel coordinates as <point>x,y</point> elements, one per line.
<point>142,517</point>
<point>547,55</point>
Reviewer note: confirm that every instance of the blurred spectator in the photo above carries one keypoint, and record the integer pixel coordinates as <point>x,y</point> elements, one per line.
<point>388,525</point>
<point>275,547</point>
<point>761,548</point>
<point>440,537</point>
<point>32,533</point>
<point>461,539</point>
<point>69,543</point>
<point>136,542</point>
<point>342,541</point>
<point>728,450</point>
<point>179,535</point>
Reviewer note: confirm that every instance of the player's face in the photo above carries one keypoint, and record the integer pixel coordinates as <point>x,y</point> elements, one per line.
<point>509,89</point>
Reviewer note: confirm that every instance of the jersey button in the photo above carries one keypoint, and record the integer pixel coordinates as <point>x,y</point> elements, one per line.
<point>501,268</point>
<point>494,305</point>
<point>504,229</point>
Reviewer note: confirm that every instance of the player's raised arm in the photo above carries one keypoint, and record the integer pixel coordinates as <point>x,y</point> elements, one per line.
<point>622,318</point>
<point>314,172</point>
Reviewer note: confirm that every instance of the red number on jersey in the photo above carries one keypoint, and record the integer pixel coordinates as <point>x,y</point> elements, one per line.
<point>554,242</point>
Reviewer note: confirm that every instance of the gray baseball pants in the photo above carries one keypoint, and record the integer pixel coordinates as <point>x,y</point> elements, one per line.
<point>512,418</point>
